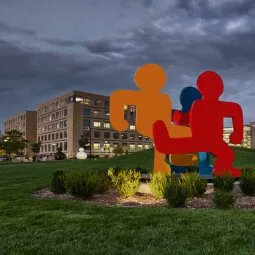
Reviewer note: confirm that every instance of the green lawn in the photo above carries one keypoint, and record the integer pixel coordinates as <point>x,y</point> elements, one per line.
<point>33,226</point>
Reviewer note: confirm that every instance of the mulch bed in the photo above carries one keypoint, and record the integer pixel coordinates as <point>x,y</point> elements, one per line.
<point>111,198</point>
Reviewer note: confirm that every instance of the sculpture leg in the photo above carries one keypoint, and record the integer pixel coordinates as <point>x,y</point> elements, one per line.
<point>204,164</point>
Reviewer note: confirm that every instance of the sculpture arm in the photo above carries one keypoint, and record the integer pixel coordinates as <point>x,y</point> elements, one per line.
<point>234,111</point>
<point>117,101</point>
<point>180,118</point>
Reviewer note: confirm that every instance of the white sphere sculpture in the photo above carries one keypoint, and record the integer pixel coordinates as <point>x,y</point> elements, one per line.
<point>81,154</point>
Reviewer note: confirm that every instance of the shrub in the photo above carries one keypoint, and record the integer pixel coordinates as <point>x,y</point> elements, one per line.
<point>223,199</point>
<point>175,193</point>
<point>125,181</point>
<point>85,183</point>
<point>224,182</point>
<point>158,184</point>
<point>58,182</point>
<point>194,185</point>
<point>59,155</point>
<point>247,182</point>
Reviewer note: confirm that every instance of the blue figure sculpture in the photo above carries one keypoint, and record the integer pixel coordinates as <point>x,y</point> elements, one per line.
<point>187,97</point>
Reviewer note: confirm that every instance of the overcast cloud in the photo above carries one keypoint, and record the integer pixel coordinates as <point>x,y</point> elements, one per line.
<point>50,47</point>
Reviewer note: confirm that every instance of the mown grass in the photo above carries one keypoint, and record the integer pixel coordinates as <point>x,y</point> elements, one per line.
<point>46,226</point>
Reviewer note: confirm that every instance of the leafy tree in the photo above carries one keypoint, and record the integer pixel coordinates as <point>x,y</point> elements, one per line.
<point>59,155</point>
<point>35,148</point>
<point>13,143</point>
<point>83,142</point>
<point>118,150</point>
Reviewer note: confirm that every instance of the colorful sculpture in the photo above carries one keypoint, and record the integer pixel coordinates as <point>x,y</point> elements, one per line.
<point>151,105</point>
<point>208,137</point>
<point>182,117</point>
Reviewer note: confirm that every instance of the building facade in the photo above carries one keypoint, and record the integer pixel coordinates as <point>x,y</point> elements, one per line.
<point>247,136</point>
<point>62,121</point>
<point>26,123</point>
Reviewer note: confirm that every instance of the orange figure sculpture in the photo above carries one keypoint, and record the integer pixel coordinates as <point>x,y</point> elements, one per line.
<point>151,105</point>
<point>208,137</point>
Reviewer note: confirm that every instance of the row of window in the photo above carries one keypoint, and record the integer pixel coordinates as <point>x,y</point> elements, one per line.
<point>89,101</point>
<point>15,120</point>
<point>99,124</point>
<point>53,136</point>
<point>106,147</point>
<point>53,106</point>
<point>53,147</point>
<point>108,135</point>
<point>53,126</point>
<point>51,117</point>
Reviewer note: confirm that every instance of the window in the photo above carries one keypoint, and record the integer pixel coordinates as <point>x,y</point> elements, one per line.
<point>56,135</point>
<point>115,145</point>
<point>65,134</point>
<point>53,116</point>
<point>65,123</point>
<point>49,127</point>
<point>124,136</point>
<point>140,146</point>
<point>61,135</point>
<point>57,115</point>
<point>49,147</point>
<point>87,101</point>
<point>132,146</point>
<point>50,117</point>
<point>42,138</point>
<point>140,137</point>
<point>52,137</point>
<point>86,112</point>
<point>96,146</point>
<point>132,112</point>
<point>65,146</point>
<point>146,138</point>
<point>58,125</point>
<point>107,135</point>
<point>61,145</point>
<point>147,146</point>
<point>125,107</point>
<point>86,123</point>
<point>98,102</point>
<point>107,125</point>
<point>97,124</point>
<point>132,127</point>
<point>61,114</point>
<point>61,124</point>
<point>96,113</point>
<point>49,136</point>
<point>124,146</point>
<point>65,112</point>
<point>132,136</point>
<point>96,134</point>
<point>106,103</point>
<point>45,148</point>
<point>45,138</point>
<point>116,135</point>
<point>41,148</point>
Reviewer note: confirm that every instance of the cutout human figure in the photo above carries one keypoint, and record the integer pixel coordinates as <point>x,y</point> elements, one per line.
<point>207,136</point>
<point>151,105</point>
<point>188,96</point>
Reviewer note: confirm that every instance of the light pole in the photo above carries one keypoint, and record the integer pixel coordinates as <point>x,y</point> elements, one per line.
<point>90,144</point>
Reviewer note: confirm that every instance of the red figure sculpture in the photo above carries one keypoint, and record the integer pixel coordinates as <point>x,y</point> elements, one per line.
<point>209,136</point>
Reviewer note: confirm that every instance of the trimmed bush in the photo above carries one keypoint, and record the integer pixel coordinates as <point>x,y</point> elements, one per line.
<point>85,183</point>
<point>224,182</point>
<point>158,184</point>
<point>175,193</point>
<point>58,182</point>
<point>126,181</point>
<point>223,199</point>
<point>247,181</point>
<point>194,185</point>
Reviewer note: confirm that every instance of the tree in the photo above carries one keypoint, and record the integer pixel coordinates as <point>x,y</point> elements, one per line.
<point>118,150</point>
<point>83,142</point>
<point>59,155</point>
<point>13,143</point>
<point>35,148</point>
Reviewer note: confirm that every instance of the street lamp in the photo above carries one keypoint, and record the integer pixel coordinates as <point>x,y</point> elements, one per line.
<point>90,144</point>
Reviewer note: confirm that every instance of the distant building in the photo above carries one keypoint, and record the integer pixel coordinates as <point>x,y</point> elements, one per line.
<point>25,122</point>
<point>63,120</point>
<point>247,137</point>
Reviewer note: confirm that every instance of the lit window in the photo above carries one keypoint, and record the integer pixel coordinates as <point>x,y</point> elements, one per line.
<point>107,125</point>
<point>96,113</point>
<point>96,146</point>
<point>140,137</point>
<point>147,146</point>
<point>58,125</point>
<point>97,124</point>
<point>132,127</point>
<point>132,136</point>
<point>140,146</point>
<point>132,146</point>
<point>115,145</point>
<point>125,107</point>
<point>87,101</point>
<point>98,102</point>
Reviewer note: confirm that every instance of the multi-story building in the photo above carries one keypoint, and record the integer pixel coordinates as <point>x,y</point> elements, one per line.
<point>62,121</point>
<point>247,136</point>
<point>25,122</point>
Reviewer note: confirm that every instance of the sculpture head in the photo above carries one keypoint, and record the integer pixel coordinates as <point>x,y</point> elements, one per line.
<point>188,96</point>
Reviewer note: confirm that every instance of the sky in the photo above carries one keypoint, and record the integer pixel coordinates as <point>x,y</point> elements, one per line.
<point>48,48</point>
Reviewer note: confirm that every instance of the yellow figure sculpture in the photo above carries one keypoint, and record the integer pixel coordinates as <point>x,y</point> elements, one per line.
<point>151,105</point>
